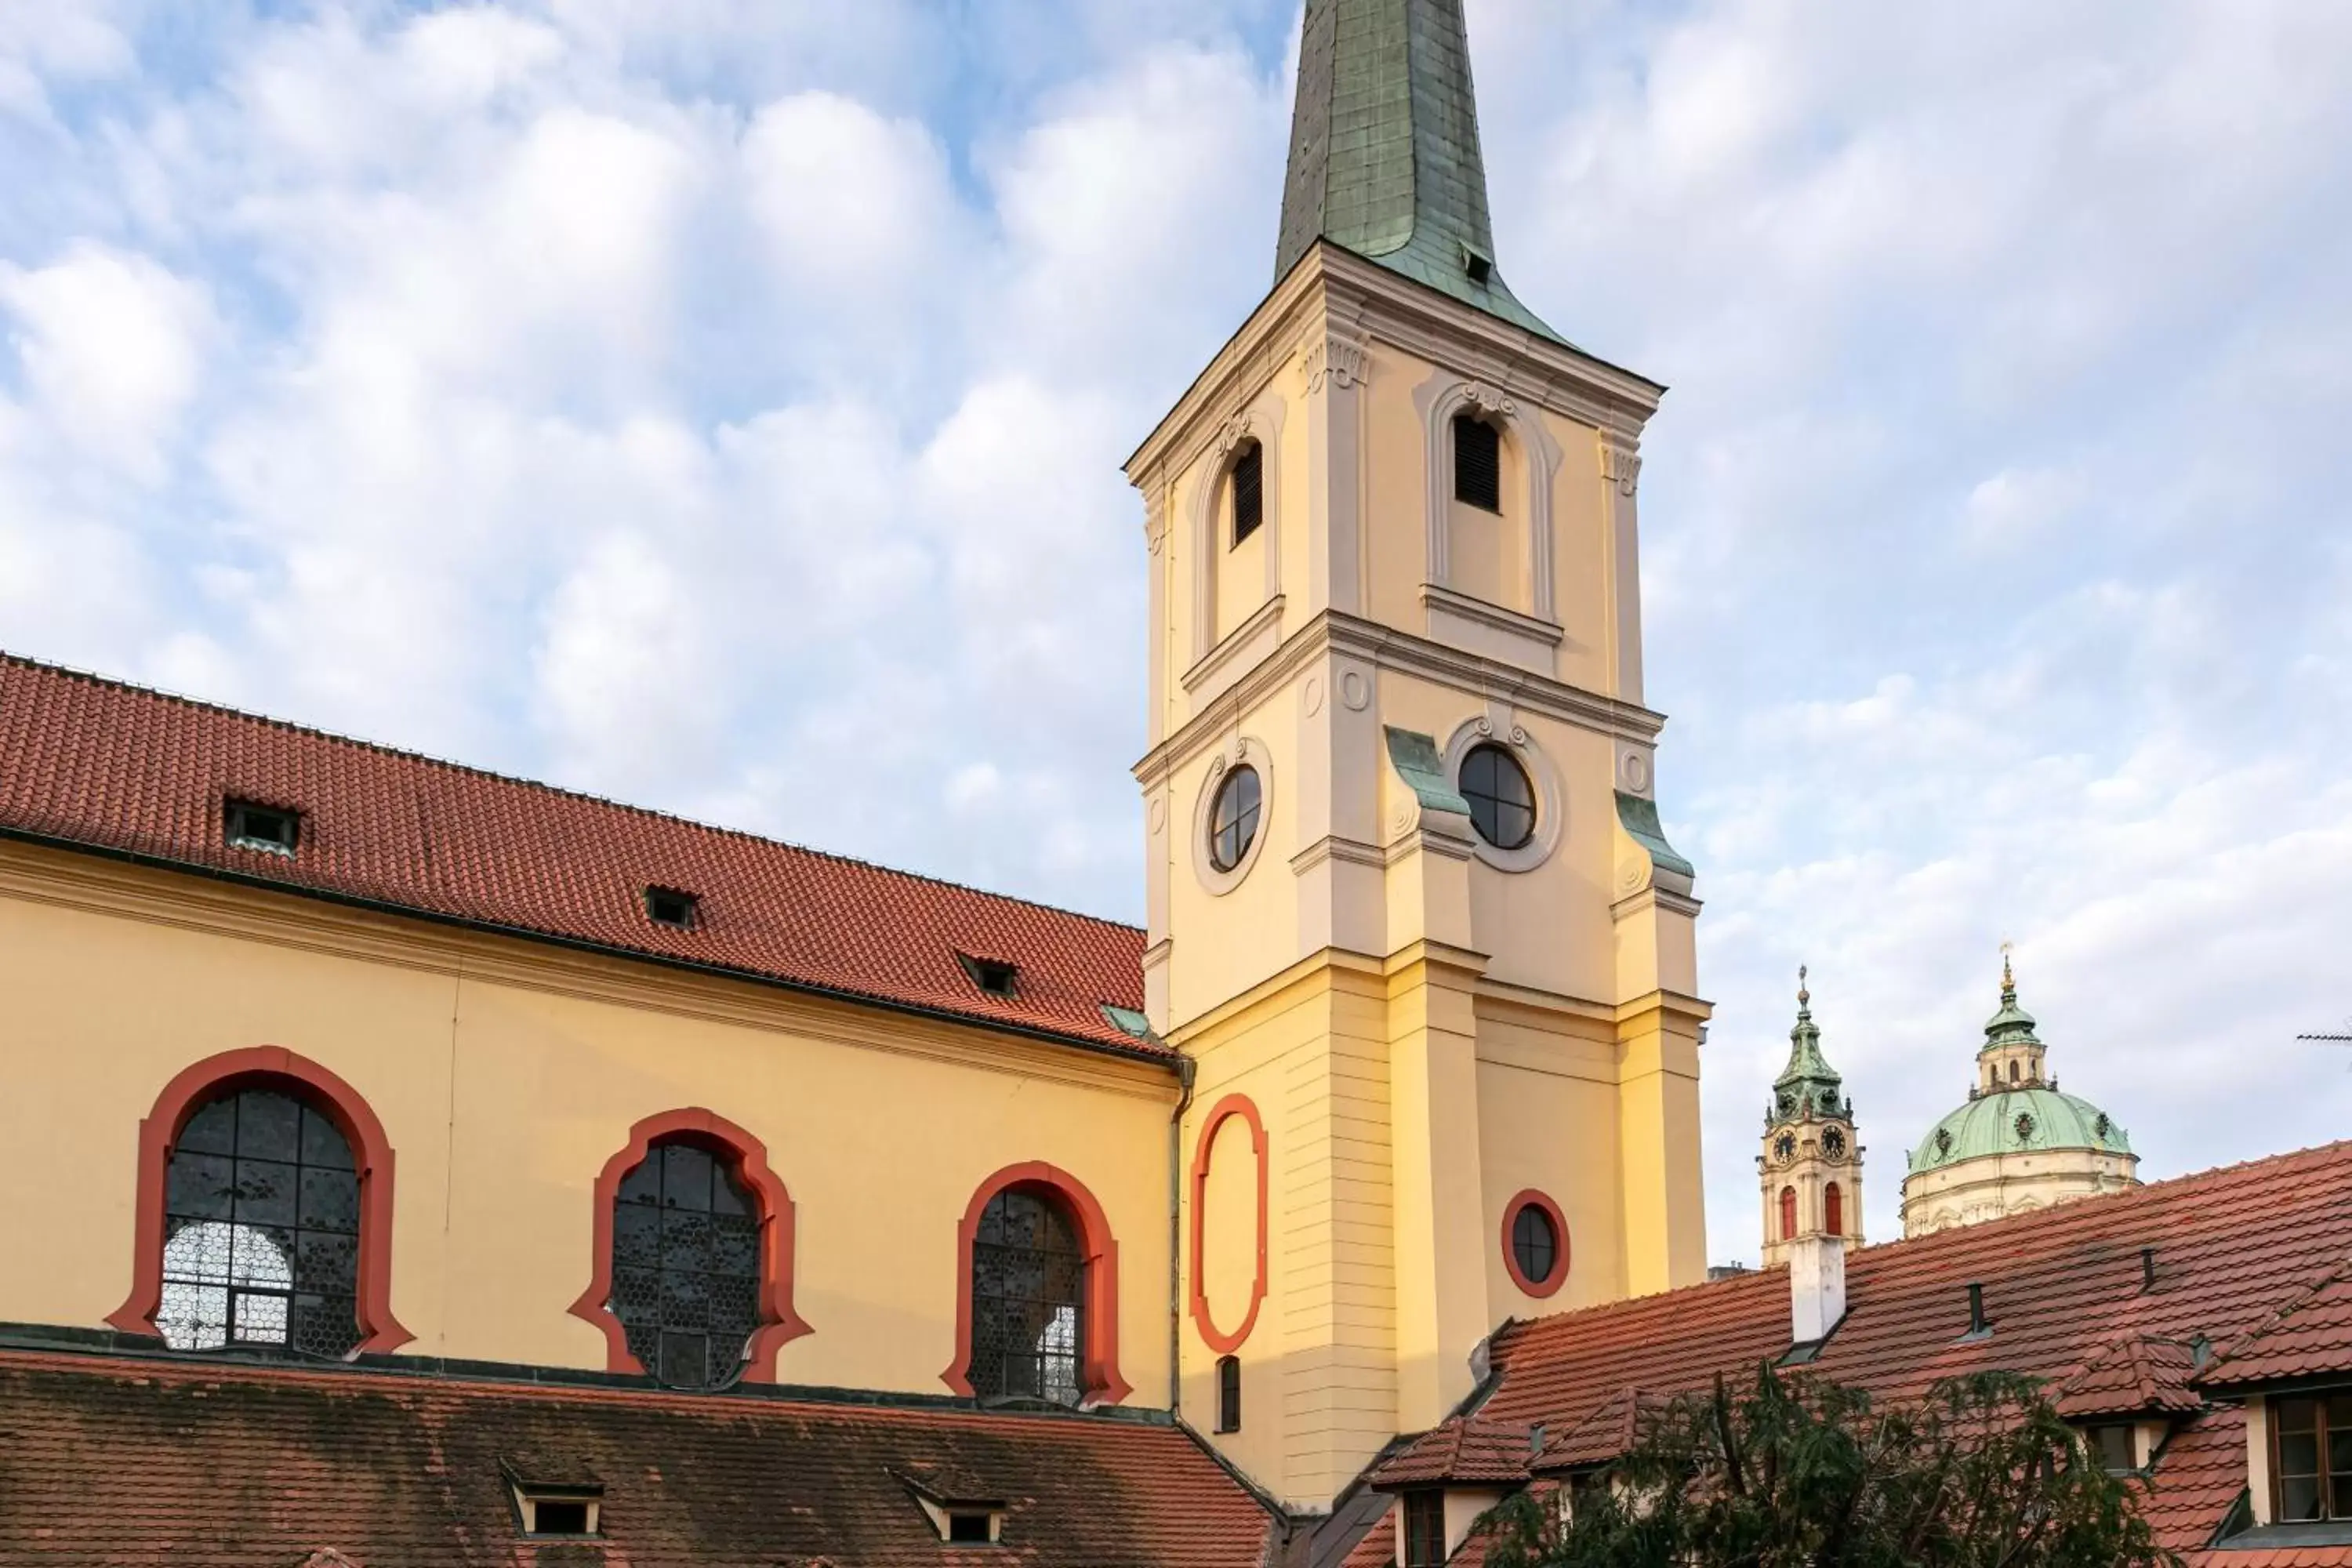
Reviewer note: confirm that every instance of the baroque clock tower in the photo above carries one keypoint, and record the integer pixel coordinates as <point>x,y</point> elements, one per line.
<point>1810,1170</point>
<point>1413,915</point>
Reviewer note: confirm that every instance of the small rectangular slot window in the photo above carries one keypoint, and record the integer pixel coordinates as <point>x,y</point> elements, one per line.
<point>669,907</point>
<point>1477,463</point>
<point>1229,1394</point>
<point>1249,492</point>
<point>996,976</point>
<point>2118,1455</point>
<point>272,830</point>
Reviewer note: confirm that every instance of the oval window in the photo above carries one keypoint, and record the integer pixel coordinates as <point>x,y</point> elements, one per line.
<point>1233,822</point>
<point>1502,798</point>
<point>1535,1243</point>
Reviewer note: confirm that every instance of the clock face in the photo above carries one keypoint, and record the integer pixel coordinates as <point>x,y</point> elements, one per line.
<point>1785,1146</point>
<point>1833,1143</point>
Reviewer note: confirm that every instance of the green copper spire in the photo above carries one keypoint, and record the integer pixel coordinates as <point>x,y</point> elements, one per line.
<point>2012,1026</point>
<point>1808,1085</point>
<point>1385,151</point>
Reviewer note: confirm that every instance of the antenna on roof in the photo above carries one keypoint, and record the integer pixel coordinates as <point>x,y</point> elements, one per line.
<point>2342,1038</point>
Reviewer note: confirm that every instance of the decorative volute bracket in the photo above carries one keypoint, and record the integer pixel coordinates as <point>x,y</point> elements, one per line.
<point>1645,858</point>
<point>1620,465</point>
<point>1428,802</point>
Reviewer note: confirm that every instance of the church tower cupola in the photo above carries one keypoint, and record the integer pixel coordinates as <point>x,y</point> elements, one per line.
<point>1810,1170</point>
<point>2011,1055</point>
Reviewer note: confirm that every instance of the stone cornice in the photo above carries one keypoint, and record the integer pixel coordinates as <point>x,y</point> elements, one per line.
<point>101,884</point>
<point>1332,292</point>
<point>1332,631</point>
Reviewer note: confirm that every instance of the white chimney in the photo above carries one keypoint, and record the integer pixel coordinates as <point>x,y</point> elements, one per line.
<point>1816,1287</point>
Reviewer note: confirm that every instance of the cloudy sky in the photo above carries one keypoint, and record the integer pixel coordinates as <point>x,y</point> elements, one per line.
<point>719,404</point>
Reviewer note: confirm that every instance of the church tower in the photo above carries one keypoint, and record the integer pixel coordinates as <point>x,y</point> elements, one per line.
<point>1412,917</point>
<point>1810,1170</point>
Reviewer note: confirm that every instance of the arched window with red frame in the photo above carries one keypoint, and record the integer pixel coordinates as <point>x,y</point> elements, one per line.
<point>1037,1301</point>
<point>1787,1214</point>
<point>1834,1210</point>
<point>264,1215</point>
<point>692,1280</point>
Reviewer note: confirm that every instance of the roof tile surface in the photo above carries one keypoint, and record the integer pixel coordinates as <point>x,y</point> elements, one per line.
<point>2067,1301</point>
<point>134,1463</point>
<point>98,763</point>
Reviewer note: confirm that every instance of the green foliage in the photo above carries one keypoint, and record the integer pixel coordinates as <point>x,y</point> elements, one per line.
<point>1805,1473</point>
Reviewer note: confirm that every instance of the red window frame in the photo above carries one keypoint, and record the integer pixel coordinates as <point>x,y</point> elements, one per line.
<point>746,1157</point>
<point>1550,1283</point>
<point>1104,1385</point>
<point>196,1086</point>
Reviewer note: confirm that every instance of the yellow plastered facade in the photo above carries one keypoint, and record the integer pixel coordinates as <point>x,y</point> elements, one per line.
<point>506,1075</point>
<point>1427,1025</point>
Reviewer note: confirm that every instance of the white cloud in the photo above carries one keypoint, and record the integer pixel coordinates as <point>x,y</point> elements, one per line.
<point>680,398</point>
<point>111,345</point>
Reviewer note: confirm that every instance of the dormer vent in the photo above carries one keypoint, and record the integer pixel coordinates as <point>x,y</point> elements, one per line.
<point>669,907</point>
<point>563,1509</point>
<point>272,830</point>
<point>2147,1270</point>
<point>996,976</point>
<point>959,1508</point>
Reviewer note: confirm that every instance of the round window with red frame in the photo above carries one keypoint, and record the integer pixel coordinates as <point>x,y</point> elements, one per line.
<point>1535,1243</point>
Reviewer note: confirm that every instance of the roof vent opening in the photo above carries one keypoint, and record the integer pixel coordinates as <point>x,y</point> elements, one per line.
<point>973,1527</point>
<point>2147,1270</point>
<point>669,907</point>
<point>558,1508</point>
<point>272,830</point>
<point>1477,264</point>
<point>1979,1326</point>
<point>962,1509</point>
<point>996,976</point>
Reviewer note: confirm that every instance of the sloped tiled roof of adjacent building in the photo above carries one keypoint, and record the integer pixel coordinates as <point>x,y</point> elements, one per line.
<point>148,1461</point>
<point>2136,1374</point>
<point>97,764</point>
<point>2067,1300</point>
<point>2310,1334</point>
<point>1462,1453</point>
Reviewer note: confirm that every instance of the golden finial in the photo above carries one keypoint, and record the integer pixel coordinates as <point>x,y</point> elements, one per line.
<point>2007,979</point>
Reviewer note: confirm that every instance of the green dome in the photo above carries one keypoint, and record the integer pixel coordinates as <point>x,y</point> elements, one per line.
<point>2019,1122</point>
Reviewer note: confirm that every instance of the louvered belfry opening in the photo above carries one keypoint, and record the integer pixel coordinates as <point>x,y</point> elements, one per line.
<point>1477,463</point>
<point>1249,490</point>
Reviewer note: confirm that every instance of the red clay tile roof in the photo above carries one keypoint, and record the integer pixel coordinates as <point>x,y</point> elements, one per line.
<point>2311,1335</point>
<point>1608,1433</point>
<point>177,1463</point>
<point>2061,1287</point>
<point>1462,1453</point>
<point>1378,1548</point>
<point>96,763</point>
<point>2133,1375</point>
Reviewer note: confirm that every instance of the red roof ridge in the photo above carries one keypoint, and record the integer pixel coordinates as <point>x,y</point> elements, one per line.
<point>336,737</point>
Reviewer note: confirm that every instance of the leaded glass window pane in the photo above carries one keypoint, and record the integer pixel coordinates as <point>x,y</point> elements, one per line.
<point>685,1266</point>
<point>261,1222</point>
<point>1028,1302</point>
